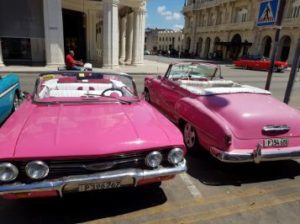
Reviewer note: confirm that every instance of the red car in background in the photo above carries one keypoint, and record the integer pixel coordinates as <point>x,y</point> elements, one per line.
<point>259,63</point>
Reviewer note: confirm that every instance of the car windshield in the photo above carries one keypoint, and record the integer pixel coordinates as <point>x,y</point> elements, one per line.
<point>194,70</point>
<point>85,87</point>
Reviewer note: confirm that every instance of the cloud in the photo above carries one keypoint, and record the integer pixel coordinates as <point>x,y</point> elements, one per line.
<point>177,27</point>
<point>169,15</point>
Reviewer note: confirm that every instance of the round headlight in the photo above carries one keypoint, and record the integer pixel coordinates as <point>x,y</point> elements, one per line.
<point>153,159</point>
<point>37,170</point>
<point>8,172</point>
<point>175,156</point>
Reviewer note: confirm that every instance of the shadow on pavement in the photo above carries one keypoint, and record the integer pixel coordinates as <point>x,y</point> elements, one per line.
<point>83,207</point>
<point>210,171</point>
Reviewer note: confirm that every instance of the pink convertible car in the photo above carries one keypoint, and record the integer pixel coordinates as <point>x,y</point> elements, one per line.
<point>82,132</point>
<point>235,123</point>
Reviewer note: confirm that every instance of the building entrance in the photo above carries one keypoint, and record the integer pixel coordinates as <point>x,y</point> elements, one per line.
<point>74,33</point>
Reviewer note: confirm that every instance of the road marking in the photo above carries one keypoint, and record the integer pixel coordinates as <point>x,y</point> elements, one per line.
<point>190,186</point>
<point>197,217</point>
<point>256,191</point>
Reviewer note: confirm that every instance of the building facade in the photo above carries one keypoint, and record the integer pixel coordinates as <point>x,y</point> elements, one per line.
<point>104,32</point>
<point>151,39</point>
<point>169,40</point>
<point>227,29</point>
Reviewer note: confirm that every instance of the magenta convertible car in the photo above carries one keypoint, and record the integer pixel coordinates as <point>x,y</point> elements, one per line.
<point>235,123</point>
<point>86,131</point>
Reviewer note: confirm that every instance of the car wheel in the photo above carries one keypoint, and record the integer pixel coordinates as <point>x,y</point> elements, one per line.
<point>147,96</point>
<point>16,103</point>
<point>190,137</point>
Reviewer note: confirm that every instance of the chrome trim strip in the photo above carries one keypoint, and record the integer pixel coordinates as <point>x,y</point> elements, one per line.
<point>59,184</point>
<point>8,90</point>
<point>257,155</point>
<point>270,128</point>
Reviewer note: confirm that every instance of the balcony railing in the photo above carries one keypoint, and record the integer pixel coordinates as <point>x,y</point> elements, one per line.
<point>188,8</point>
<point>227,27</point>
<point>291,22</point>
<point>210,4</point>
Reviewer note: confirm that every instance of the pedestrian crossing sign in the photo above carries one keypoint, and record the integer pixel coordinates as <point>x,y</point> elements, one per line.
<point>267,13</point>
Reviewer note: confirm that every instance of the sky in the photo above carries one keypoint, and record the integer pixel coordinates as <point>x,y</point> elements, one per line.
<point>165,14</point>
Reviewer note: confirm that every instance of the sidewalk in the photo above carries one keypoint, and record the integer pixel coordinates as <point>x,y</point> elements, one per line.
<point>148,67</point>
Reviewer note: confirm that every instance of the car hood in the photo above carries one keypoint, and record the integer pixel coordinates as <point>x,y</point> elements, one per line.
<point>87,130</point>
<point>247,114</point>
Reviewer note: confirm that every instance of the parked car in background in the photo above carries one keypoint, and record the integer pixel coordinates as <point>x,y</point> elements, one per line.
<point>235,123</point>
<point>146,52</point>
<point>257,62</point>
<point>85,131</point>
<point>10,95</point>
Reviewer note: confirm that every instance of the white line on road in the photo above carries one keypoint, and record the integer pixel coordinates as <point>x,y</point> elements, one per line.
<point>190,186</point>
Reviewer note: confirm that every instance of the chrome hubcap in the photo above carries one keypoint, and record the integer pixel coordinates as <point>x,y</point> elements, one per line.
<point>147,97</point>
<point>189,135</point>
<point>16,103</point>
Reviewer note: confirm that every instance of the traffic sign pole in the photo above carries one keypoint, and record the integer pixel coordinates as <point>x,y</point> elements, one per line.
<point>278,28</point>
<point>293,73</point>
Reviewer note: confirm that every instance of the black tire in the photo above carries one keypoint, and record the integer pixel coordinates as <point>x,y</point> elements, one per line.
<point>276,69</point>
<point>147,96</point>
<point>190,137</point>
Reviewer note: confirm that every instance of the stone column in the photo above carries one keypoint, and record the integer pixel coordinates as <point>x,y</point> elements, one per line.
<point>138,36</point>
<point>110,34</point>
<point>54,36</point>
<point>122,39</point>
<point>129,38</point>
<point>1,58</point>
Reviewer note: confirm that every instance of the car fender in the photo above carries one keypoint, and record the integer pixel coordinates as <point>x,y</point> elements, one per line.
<point>211,128</point>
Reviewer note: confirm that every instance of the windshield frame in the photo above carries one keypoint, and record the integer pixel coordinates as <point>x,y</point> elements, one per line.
<point>216,74</point>
<point>37,100</point>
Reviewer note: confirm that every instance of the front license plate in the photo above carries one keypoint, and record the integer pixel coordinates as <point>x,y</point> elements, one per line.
<point>99,186</point>
<point>276,142</point>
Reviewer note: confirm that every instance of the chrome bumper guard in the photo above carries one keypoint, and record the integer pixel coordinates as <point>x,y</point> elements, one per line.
<point>257,155</point>
<point>59,184</point>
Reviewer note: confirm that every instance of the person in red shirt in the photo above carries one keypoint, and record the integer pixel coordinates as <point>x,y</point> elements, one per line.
<point>71,63</point>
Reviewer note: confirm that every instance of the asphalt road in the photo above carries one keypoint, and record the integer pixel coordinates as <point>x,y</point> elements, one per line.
<point>210,192</point>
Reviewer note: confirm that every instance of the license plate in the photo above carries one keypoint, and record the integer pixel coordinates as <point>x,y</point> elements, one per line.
<point>99,186</point>
<point>276,142</point>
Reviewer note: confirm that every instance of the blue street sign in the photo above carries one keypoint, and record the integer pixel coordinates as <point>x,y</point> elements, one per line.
<point>267,13</point>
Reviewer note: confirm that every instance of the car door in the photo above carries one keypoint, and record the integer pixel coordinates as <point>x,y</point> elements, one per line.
<point>170,93</point>
<point>5,99</point>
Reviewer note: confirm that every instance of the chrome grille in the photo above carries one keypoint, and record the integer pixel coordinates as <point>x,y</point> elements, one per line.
<point>66,167</point>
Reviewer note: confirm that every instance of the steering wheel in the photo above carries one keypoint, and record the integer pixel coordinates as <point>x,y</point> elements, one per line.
<point>119,90</point>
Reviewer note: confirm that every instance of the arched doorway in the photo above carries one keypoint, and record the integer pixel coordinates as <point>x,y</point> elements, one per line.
<point>284,46</point>
<point>199,46</point>
<point>218,50</point>
<point>188,45</point>
<point>236,46</point>
<point>207,47</point>
<point>216,46</point>
<point>266,43</point>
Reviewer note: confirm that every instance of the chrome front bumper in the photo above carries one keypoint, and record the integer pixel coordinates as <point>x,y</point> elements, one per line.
<point>128,177</point>
<point>257,155</point>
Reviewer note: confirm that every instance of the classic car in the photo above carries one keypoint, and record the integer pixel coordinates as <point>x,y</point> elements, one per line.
<point>85,131</point>
<point>10,95</point>
<point>234,122</point>
<point>257,62</point>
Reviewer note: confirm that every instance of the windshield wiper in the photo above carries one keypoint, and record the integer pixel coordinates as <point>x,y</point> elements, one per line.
<point>110,97</point>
